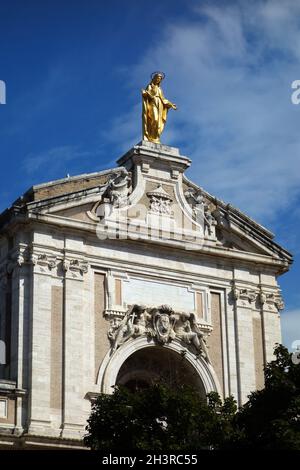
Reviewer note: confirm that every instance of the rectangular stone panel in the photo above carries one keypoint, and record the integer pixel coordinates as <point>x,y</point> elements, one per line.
<point>258,352</point>
<point>156,293</point>
<point>8,319</point>
<point>102,344</point>
<point>56,347</point>
<point>7,410</point>
<point>199,304</point>
<point>3,408</point>
<point>118,291</point>
<point>215,339</point>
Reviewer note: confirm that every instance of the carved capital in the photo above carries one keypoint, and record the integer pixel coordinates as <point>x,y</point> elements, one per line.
<point>244,295</point>
<point>79,266</point>
<point>66,265</point>
<point>16,260</point>
<point>279,302</point>
<point>33,259</point>
<point>235,293</point>
<point>262,297</point>
<point>248,294</point>
<point>47,260</point>
<point>43,261</point>
<point>20,259</point>
<point>276,300</point>
<point>75,266</point>
<point>271,300</point>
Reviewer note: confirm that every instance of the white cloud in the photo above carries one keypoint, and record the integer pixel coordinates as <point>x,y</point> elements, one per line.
<point>290,323</point>
<point>230,71</point>
<point>53,160</point>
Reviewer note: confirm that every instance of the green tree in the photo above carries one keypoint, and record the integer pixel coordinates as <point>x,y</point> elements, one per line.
<point>271,417</point>
<point>159,418</point>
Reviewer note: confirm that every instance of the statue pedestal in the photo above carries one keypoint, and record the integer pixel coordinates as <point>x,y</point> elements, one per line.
<point>155,159</point>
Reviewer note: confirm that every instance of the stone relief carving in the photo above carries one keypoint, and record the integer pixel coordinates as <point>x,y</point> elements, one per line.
<point>43,259</point>
<point>279,302</point>
<point>163,320</point>
<point>117,189</point>
<point>160,201</point>
<point>75,265</point>
<point>267,300</point>
<point>188,330</point>
<point>275,299</point>
<point>15,259</point>
<point>194,197</point>
<point>262,297</point>
<point>202,211</point>
<point>114,195</point>
<point>248,295</point>
<point>161,324</point>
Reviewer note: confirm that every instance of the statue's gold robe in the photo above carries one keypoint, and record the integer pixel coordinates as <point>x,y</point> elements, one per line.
<point>155,110</point>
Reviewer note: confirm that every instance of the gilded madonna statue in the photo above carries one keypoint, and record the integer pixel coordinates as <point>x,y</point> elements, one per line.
<point>155,108</point>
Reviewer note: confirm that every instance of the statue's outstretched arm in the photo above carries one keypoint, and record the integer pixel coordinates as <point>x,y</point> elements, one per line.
<point>168,104</point>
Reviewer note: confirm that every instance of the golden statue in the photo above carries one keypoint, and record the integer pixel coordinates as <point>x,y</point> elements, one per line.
<point>155,108</point>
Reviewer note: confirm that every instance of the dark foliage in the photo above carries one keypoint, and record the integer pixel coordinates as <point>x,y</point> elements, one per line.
<point>271,417</point>
<point>160,418</point>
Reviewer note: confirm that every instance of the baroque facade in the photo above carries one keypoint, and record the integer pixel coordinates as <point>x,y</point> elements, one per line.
<point>128,276</point>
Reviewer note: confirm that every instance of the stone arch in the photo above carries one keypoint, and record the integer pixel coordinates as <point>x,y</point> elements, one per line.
<point>111,365</point>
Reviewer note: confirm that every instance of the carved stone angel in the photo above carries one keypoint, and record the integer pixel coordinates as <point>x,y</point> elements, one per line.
<point>134,323</point>
<point>160,323</point>
<point>187,330</point>
<point>202,211</point>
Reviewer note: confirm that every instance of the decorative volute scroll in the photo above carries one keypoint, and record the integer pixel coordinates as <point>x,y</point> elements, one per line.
<point>160,201</point>
<point>160,324</point>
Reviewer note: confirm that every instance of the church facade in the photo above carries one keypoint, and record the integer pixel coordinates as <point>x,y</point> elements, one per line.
<point>129,276</point>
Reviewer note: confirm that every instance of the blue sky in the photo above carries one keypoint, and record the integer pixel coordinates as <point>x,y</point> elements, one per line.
<point>74,70</point>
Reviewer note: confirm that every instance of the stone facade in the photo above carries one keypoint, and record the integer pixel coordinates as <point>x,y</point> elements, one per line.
<point>123,276</point>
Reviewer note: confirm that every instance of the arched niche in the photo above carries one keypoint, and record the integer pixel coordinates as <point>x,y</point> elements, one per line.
<point>114,367</point>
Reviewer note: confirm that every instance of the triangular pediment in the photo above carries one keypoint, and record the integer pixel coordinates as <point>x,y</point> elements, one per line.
<point>149,192</point>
